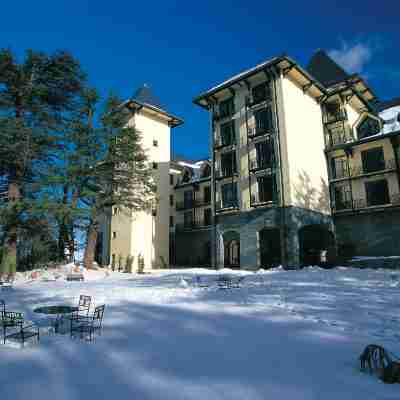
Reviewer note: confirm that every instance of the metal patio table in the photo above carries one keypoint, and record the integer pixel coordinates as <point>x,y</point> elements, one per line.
<point>58,310</point>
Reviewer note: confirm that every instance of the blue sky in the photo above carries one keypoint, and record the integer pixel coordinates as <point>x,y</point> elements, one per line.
<point>181,48</point>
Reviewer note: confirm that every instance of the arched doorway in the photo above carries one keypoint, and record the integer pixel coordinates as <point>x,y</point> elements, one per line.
<point>231,250</point>
<point>313,241</point>
<point>270,248</point>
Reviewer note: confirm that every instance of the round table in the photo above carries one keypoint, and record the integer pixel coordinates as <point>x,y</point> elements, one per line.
<point>58,310</point>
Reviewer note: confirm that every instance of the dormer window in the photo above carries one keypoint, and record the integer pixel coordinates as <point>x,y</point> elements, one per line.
<point>368,127</point>
<point>206,171</point>
<point>187,176</point>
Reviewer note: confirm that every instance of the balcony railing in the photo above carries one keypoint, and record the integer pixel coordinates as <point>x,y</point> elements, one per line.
<point>331,118</point>
<point>256,165</point>
<point>219,143</point>
<point>184,205</point>
<point>358,204</point>
<point>202,202</point>
<point>218,115</point>
<point>227,205</point>
<point>200,224</point>
<point>225,173</point>
<point>338,135</point>
<point>256,198</point>
<point>255,132</point>
<point>358,170</point>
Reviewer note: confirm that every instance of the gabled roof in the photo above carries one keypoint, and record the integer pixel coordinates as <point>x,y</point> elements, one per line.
<point>325,69</point>
<point>283,63</point>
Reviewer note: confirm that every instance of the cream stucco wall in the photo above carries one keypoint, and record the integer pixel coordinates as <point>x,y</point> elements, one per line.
<point>141,233</point>
<point>303,146</point>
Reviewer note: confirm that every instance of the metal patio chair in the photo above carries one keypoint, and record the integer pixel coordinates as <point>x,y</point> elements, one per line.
<point>88,325</point>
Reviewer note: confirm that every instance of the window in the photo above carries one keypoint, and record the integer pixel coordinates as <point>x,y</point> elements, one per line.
<point>334,112</point>
<point>368,127</point>
<point>342,196</point>
<point>171,221</point>
<point>228,163</point>
<point>264,154</point>
<point>228,133</point>
<point>206,171</point>
<point>263,120</point>
<point>226,108</point>
<point>373,160</point>
<point>155,165</point>
<point>171,200</point>
<point>207,216</point>
<point>114,235</point>
<point>265,185</point>
<point>229,195</point>
<point>155,143</point>
<point>188,199</point>
<point>339,167</point>
<point>377,192</point>
<point>186,176</point>
<point>207,194</point>
<point>261,93</point>
<point>115,211</point>
<point>188,219</point>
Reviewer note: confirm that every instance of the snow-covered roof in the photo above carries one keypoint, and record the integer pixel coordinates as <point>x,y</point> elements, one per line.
<point>391,116</point>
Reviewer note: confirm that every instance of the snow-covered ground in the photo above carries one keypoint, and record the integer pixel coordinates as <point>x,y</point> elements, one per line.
<point>282,335</point>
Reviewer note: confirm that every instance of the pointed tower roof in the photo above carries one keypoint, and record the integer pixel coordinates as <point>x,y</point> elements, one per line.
<point>325,69</point>
<point>144,98</point>
<point>145,95</point>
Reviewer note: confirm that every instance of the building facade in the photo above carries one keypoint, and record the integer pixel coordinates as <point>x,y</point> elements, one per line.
<point>145,235</point>
<point>269,181</point>
<point>191,221</point>
<point>302,160</point>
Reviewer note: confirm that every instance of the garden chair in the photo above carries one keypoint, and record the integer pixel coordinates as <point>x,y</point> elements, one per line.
<point>88,325</point>
<point>23,331</point>
<point>83,307</point>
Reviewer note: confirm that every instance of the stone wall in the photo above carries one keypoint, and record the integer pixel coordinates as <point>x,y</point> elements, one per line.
<point>190,248</point>
<point>370,234</point>
<point>248,224</point>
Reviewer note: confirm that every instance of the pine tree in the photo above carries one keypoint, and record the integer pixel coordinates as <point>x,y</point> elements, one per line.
<point>34,95</point>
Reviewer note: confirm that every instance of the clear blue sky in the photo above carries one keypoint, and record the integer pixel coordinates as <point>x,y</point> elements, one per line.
<point>181,48</point>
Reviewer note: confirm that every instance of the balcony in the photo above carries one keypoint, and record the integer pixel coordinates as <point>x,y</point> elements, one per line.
<point>256,132</point>
<point>219,143</point>
<point>225,173</point>
<point>337,135</point>
<point>202,202</point>
<point>358,170</point>
<point>184,205</point>
<point>257,199</point>
<point>338,116</point>
<point>199,224</point>
<point>258,165</point>
<point>363,203</point>
<point>226,205</point>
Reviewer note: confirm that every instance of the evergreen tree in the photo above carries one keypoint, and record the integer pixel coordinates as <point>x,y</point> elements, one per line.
<point>34,95</point>
<point>118,176</point>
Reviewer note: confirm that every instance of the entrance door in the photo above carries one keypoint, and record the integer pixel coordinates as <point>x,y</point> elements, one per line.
<point>270,248</point>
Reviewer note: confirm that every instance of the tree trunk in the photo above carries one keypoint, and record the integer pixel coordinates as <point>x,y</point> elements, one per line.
<point>91,243</point>
<point>9,260</point>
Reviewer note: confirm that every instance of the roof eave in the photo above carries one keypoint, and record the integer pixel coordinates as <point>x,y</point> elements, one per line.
<point>173,120</point>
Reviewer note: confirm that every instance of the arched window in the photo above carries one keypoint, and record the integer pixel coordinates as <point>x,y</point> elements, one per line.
<point>187,176</point>
<point>206,172</point>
